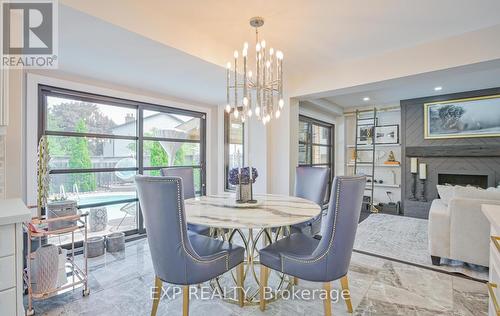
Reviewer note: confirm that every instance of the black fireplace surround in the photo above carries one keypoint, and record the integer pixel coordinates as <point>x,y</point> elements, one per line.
<point>479,181</point>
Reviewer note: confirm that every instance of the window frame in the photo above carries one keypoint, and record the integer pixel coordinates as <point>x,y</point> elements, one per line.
<point>45,91</point>
<point>227,135</point>
<point>309,147</point>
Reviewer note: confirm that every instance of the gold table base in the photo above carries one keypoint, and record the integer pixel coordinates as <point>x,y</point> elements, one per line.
<point>251,262</point>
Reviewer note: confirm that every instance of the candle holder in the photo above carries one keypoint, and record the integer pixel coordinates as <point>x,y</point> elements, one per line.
<point>422,191</point>
<point>413,187</point>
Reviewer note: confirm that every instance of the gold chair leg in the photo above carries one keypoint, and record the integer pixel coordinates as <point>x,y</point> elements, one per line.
<point>241,293</point>
<point>295,281</point>
<point>327,302</point>
<point>185,301</point>
<point>346,293</point>
<point>156,296</point>
<point>263,285</point>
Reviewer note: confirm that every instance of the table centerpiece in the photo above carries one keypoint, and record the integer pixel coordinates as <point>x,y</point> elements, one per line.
<point>243,179</point>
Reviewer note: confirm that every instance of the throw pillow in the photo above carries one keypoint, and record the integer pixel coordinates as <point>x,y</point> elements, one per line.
<point>446,192</point>
<point>475,193</point>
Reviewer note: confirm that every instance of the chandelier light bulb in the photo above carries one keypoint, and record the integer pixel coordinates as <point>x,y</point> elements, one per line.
<point>266,85</point>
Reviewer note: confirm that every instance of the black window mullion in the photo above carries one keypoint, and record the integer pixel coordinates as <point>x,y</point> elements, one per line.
<point>139,138</point>
<point>140,155</point>
<point>173,140</point>
<point>308,143</point>
<point>91,170</point>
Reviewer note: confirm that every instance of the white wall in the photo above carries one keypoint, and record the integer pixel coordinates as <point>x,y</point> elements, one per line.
<point>14,173</point>
<point>81,84</point>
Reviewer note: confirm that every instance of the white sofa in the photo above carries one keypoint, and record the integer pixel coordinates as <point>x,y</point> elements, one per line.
<point>458,229</point>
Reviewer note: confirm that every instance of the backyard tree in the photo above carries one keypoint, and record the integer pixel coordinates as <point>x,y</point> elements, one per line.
<point>65,116</point>
<point>80,159</point>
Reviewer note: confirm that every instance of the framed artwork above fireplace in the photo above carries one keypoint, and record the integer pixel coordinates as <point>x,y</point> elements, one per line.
<point>462,118</point>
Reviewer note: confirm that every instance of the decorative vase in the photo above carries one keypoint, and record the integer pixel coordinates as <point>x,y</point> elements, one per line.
<point>95,247</point>
<point>98,219</point>
<point>60,209</point>
<point>46,267</point>
<point>243,193</point>
<point>115,242</point>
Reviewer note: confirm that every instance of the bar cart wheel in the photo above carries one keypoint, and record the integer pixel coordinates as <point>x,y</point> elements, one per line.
<point>86,292</point>
<point>30,312</point>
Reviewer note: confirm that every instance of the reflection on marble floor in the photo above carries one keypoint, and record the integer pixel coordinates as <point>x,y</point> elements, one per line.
<point>120,285</point>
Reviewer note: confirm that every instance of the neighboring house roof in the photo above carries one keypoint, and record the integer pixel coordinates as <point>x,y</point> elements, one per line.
<point>148,118</point>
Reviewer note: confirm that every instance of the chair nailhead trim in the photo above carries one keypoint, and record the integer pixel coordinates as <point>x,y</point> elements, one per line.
<point>179,210</point>
<point>337,201</point>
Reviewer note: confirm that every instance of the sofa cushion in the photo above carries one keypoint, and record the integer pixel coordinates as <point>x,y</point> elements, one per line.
<point>476,193</point>
<point>446,192</point>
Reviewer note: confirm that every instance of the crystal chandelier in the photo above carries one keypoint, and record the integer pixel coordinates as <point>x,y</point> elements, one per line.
<point>260,95</point>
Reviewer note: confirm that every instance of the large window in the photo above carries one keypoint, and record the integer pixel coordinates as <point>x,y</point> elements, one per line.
<point>98,144</point>
<point>233,145</point>
<point>316,146</point>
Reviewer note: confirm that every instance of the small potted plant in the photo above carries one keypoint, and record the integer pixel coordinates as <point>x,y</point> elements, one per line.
<point>243,178</point>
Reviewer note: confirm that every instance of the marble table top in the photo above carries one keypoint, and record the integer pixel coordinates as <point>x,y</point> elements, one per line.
<point>271,211</point>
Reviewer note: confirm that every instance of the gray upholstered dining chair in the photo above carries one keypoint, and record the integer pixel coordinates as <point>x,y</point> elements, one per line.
<point>311,184</point>
<point>324,260</point>
<point>181,257</point>
<point>186,174</point>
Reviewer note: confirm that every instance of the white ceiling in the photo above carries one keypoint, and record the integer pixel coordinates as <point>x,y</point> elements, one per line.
<point>312,34</point>
<point>390,92</point>
<point>179,47</point>
<point>95,49</point>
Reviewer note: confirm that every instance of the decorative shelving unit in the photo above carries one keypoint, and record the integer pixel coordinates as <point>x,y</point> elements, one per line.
<point>390,174</point>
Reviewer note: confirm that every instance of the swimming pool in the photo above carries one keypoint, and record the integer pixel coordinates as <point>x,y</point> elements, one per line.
<point>98,198</point>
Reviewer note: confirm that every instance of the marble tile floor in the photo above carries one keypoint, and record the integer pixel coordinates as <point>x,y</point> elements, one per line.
<point>121,284</point>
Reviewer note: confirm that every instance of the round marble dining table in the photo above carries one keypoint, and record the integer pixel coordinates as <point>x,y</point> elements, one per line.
<point>246,224</point>
<point>221,211</point>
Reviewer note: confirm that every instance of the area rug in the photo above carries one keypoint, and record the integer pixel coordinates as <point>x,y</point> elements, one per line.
<point>405,239</point>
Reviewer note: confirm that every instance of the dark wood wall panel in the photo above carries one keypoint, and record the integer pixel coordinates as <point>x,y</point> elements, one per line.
<point>412,135</point>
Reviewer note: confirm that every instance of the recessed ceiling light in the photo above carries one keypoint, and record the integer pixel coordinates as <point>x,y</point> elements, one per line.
<point>366,99</point>
<point>438,88</point>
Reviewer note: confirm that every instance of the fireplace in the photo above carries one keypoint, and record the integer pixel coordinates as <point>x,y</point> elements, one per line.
<point>480,181</point>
